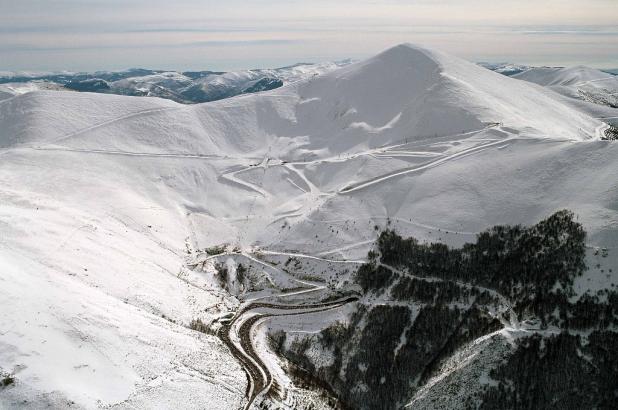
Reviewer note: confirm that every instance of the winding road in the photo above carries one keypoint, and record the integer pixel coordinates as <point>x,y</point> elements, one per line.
<point>237,335</point>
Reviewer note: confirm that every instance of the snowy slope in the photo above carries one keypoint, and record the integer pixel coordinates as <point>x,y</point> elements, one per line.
<point>105,198</point>
<point>550,76</point>
<point>8,90</point>
<point>6,94</point>
<point>596,89</point>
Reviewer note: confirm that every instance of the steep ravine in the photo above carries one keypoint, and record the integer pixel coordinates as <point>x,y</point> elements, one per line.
<point>494,324</point>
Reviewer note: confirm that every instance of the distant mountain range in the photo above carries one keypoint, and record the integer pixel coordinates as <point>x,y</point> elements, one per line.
<point>510,69</point>
<point>505,68</point>
<point>183,87</point>
<point>191,87</point>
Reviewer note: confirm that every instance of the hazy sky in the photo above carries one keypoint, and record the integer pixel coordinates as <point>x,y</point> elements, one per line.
<point>233,34</point>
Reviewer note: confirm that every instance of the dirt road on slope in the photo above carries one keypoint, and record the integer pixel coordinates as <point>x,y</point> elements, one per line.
<point>238,332</point>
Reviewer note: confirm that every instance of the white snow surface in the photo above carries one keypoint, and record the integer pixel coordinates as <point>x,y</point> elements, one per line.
<point>8,90</point>
<point>550,76</point>
<point>589,90</point>
<point>102,195</point>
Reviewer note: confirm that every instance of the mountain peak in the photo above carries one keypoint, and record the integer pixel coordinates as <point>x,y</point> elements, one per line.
<point>415,91</point>
<point>409,54</point>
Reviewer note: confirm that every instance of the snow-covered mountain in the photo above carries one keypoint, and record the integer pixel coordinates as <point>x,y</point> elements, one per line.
<point>183,87</point>
<point>508,69</point>
<point>123,220</point>
<point>551,76</point>
<point>579,83</point>
<point>587,89</point>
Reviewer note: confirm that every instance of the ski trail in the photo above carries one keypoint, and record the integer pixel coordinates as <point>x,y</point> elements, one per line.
<point>513,320</point>
<point>598,80</point>
<point>347,247</point>
<point>264,166</point>
<point>133,154</point>
<point>386,149</point>
<point>304,256</point>
<point>231,177</point>
<point>114,120</point>
<point>376,180</point>
<point>296,185</point>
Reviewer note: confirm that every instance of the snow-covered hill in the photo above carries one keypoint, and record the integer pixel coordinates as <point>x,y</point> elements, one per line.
<point>551,76</point>
<point>206,86</point>
<point>112,204</point>
<point>582,84</point>
<point>8,90</point>
<point>508,69</point>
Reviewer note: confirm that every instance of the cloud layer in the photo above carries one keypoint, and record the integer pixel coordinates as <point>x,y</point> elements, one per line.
<point>192,34</point>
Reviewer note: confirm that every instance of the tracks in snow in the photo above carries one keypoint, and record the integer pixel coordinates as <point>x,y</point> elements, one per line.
<point>131,154</point>
<point>513,321</point>
<point>314,195</point>
<point>112,121</point>
<point>382,178</point>
<point>393,150</point>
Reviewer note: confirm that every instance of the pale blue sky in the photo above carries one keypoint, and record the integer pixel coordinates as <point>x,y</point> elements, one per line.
<point>234,34</point>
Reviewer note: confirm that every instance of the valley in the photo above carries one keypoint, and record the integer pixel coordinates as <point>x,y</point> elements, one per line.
<point>401,232</point>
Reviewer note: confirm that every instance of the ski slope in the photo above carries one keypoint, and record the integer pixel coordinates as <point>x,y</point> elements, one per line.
<point>106,201</point>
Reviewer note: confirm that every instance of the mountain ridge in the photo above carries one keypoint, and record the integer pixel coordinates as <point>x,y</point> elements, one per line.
<point>188,87</point>
<point>143,215</point>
